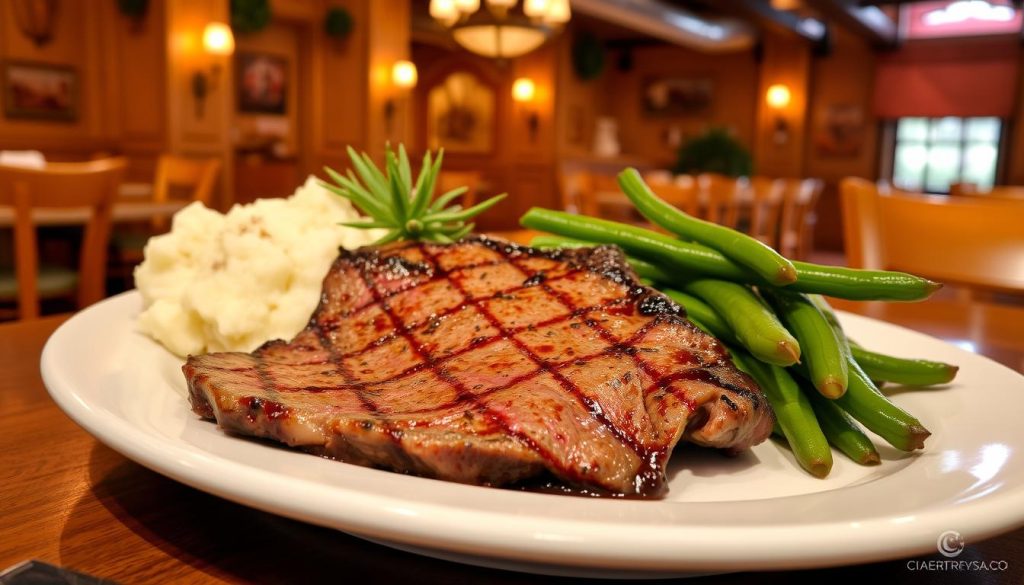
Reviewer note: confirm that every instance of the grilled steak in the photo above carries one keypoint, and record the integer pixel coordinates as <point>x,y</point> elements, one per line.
<point>489,363</point>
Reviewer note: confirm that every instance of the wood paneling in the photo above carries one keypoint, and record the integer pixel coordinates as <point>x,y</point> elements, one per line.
<point>733,76</point>
<point>281,40</point>
<point>339,89</point>
<point>843,78</point>
<point>786,61</point>
<point>75,44</point>
<point>522,167</point>
<point>388,23</point>
<point>193,129</point>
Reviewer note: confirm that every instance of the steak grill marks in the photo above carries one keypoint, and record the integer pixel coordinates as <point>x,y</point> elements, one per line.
<point>649,479</point>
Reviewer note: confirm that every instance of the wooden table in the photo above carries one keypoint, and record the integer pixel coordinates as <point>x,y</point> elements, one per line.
<point>68,500</point>
<point>123,212</point>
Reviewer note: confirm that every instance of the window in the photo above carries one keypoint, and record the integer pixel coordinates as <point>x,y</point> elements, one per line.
<point>932,153</point>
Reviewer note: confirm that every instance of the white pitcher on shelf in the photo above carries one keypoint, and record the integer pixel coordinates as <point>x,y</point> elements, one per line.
<point>606,137</point>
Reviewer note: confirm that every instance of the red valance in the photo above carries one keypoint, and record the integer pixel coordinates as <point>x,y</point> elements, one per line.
<point>933,80</point>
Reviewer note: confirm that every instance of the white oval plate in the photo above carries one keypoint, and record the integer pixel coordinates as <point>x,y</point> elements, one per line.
<point>756,511</point>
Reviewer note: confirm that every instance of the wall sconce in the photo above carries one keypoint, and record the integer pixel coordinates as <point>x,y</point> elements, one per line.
<point>404,77</point>
<point>523,92</point>
<point>778,97</point>
<point>35,19</point>
<point>219,42</point>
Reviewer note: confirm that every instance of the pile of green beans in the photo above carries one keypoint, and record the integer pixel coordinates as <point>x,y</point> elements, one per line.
<point>769,312</point>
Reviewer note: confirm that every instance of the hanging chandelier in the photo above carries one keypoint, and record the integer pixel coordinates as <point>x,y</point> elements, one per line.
<point>501,29</point>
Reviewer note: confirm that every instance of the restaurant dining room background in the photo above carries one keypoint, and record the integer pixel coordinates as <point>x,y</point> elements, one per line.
<point>921,97</point>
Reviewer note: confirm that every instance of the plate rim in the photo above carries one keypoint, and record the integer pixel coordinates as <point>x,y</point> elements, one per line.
<point>568,542</point>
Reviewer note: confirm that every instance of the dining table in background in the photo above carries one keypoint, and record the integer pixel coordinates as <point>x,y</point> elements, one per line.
<point>69,500</point>
<point>132,205</point>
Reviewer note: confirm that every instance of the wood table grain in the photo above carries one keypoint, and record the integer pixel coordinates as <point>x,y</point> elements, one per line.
<point>68,500</point>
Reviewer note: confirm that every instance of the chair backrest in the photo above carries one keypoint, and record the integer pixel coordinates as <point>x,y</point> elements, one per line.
<point>573,187</point>
<point>721,197</point>
<point>766,196</point>
<point>596,195</point>
<point>1004,192</point>
<point>964,240</point>
<point>61,186</point>
<point>799,200</point>
<point>681,194</point>
<point>197,176</point>
<point>448,180</point>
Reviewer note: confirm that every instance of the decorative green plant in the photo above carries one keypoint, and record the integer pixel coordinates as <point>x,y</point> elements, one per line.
<point>249,16</point>
<point>715,151</point>
<point>405,208</point>
<point>338,23</point>
<point>587,56</point>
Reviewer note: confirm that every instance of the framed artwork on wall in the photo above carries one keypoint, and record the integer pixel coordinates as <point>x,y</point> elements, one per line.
<point>40,91</point>
<point>460,114</point>
<point>677,96</point>
<point>262,83</point>
<point>840,130</point>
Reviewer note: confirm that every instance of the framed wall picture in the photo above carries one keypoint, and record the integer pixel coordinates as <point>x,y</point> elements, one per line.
<point>40,91</point>
<point>262,83</point>
<point>677,96</point>
<point>460,114</point>
<point>840,130</point>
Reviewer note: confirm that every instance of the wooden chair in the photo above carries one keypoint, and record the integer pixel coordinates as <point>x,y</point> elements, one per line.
<point>962,240</point>
<point>448,180</point>
<point>195,178</point>
<point>190,179</point>
<point>59,186</point>
<point>721,197</point>
<point>766,196</point>
<point>572,190</point>
<point>680,193</point>
<point>972,190</point>
<point>796,225</point>
<point>596,195</point>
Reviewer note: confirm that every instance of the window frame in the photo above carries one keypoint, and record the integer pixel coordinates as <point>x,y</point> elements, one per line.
<point>892,141</point>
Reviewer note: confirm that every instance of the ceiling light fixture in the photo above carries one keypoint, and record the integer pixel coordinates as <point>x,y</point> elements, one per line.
<point>501,30</point>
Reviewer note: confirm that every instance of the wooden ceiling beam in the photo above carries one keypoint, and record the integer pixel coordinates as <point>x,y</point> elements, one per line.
<point>781,22</point>
<point>867,21</point>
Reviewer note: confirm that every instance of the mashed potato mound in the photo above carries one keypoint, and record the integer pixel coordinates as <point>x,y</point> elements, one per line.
<point>230,282</point>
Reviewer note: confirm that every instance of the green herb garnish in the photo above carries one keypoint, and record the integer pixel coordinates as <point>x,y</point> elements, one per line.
<point>407,210</point>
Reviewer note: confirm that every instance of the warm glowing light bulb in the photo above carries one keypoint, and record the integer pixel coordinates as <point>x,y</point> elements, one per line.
<point>785,4</point>
<point>558,12</point>
<point>523,90</point>
<point>217,39</point>
<point>404,75</point>
<point>778,96</point>
<point>536,8</point>
<point>467,6</point>
<point>444,11</point>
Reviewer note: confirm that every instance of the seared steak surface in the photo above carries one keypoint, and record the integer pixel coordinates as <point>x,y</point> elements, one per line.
<point>489,363</point>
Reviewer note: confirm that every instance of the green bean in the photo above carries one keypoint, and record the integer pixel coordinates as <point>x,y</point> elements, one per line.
<point>872,409</point>
<point>756,326</point>
<point>741,248</point>
<point>866,403</point>
<point>793,413</point>
<point>842,431</point>
<point>826,361</point>
<point>911,372</point>
<point>695,259</point>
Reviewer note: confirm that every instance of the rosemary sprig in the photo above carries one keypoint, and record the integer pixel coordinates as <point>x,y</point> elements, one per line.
<point>406,209</point>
